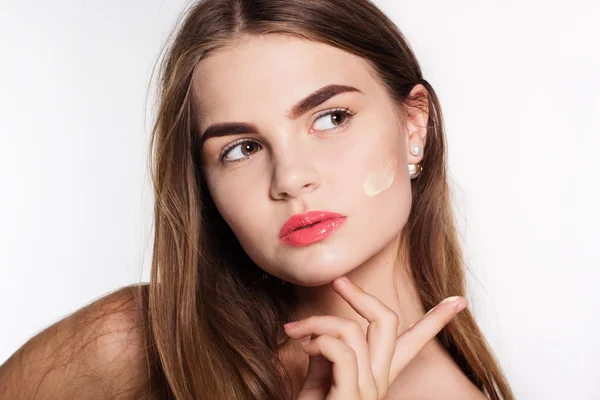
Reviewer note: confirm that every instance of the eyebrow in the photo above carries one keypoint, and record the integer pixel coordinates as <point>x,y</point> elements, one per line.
<point>308,103</point>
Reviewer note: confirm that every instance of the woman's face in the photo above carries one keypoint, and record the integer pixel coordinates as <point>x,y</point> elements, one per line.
<point>284,164</point>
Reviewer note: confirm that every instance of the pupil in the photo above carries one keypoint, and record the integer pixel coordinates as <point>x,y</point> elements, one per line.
<point>336,114</point>
<point>247,148</point>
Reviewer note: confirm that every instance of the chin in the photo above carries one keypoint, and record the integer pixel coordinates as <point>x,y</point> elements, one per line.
<point>313,281</point>
<point>320,268</point>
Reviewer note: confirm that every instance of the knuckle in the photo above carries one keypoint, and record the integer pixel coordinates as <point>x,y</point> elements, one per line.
<point>355,326</point>
<point>392,317</point>
<point>354,332</point>
<point>324,340</point>
<point>348,354</point>
<point>319,340</point>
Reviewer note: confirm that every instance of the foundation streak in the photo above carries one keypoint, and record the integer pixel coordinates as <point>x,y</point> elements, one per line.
<point>382,179</point>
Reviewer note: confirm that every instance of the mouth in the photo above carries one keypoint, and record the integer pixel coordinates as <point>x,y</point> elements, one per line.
<point>311,227</point>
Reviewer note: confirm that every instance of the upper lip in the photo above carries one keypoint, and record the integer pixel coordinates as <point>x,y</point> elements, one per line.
<point>300,220</point>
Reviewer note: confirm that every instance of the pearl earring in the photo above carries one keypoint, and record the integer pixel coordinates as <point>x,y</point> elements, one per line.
<point>414,170</point>
<point>415,149</point>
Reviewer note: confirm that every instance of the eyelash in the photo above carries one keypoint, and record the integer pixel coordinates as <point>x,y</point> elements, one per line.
<point>346,111</point>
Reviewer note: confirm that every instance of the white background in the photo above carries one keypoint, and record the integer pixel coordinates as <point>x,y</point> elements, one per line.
<point>519,86</point>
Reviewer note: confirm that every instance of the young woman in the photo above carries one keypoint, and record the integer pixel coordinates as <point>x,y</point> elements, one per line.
<point>299,166</point>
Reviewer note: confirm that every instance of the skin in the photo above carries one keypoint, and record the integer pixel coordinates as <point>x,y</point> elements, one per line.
<point>303,164</point>
<point>382,179</point>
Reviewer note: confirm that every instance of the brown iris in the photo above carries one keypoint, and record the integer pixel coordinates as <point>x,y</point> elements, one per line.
<point>247,148</point>
<point>338,114</point>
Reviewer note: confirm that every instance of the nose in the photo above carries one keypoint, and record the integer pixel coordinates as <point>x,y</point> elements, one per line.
<point>294,177</point>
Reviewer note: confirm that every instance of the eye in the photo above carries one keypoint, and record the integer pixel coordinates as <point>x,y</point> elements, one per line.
<point>239,150</point>
<point>336,117</point>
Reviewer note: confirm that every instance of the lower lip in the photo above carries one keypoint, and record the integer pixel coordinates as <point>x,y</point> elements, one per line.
<point>314,233</point>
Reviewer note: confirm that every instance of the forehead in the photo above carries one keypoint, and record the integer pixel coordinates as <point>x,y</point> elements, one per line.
<point>265,75</point>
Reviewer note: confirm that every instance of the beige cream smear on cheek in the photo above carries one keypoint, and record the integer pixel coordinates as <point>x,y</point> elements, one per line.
<point>382,179</point>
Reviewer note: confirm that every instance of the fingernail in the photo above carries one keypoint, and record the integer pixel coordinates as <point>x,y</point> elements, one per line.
<point>344,278</point>
<point>290,324</point>
<point>461,306</point>
<point>449,299</point>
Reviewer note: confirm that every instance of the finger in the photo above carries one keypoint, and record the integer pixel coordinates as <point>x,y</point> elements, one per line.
<point>347,330</point>
<point>318,379</point>
<point>382,332</point>
<point>344,378</point>
<point>412,341</point>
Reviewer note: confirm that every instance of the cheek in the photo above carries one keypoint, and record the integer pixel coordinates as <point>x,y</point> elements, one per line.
<point>240,202</point>
<point>381,179</point>
<point>387,182</point>
<point>383,189</point>
<point>392,201</point>
<point>373,165</point>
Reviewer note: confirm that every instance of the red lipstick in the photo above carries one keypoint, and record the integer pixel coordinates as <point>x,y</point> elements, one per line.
<point>311,227</point>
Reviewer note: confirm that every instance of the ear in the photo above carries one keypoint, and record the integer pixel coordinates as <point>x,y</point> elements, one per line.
<point>417,117</point>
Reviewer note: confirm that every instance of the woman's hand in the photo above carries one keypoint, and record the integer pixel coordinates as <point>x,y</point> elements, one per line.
<point>345,366</point>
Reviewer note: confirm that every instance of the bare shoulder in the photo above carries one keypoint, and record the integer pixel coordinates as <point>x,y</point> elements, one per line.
<point>97,352</point>
<point>433,375</point>
<point>433,386</point>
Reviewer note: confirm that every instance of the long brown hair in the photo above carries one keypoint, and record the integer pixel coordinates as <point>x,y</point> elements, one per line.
<point>213,326</point>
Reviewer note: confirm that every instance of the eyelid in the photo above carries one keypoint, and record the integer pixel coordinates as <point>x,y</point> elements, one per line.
<point>232,145</point>
<point>346,110</point>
